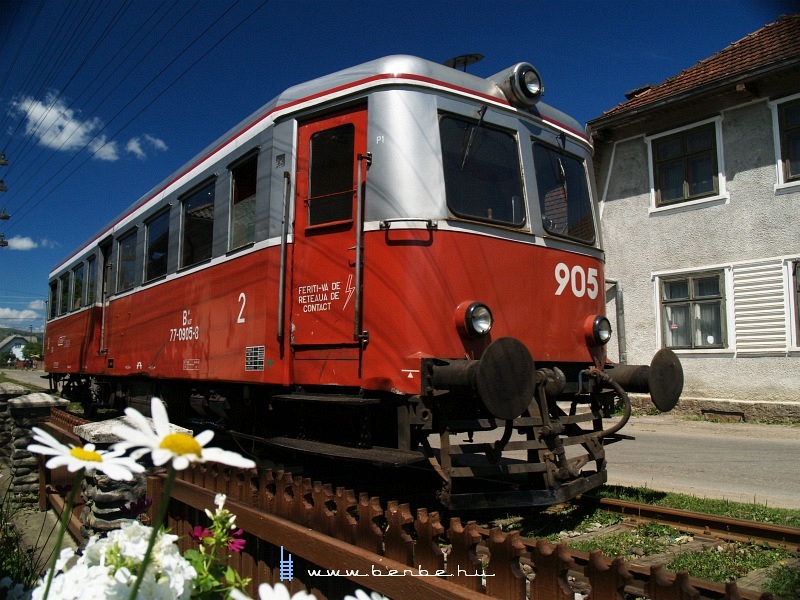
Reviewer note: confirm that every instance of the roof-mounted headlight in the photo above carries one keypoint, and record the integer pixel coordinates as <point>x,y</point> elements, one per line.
<point>473,319</point>
<point>521,84</point>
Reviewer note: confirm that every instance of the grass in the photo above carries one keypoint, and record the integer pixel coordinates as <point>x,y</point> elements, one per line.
<point>645,540</point>
<point>726,508</point>
<point>722,563</point>
<point>728,562</point>
<point>17,564</point>
<point>784,581</point>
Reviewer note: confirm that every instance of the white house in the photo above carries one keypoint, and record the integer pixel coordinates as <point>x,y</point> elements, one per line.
<point>699,179</point>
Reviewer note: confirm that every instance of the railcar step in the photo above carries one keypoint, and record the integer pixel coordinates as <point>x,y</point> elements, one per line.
<point>327,398</point>
<point>377,455</point>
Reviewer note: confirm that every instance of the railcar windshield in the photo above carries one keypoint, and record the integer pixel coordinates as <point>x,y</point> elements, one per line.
<point>482,173</point>
<point>564,198</point>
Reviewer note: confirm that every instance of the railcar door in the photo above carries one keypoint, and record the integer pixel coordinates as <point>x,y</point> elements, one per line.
<point>331,170</point>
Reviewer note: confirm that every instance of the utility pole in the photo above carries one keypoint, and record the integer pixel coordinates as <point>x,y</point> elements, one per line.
<point>3,215</point>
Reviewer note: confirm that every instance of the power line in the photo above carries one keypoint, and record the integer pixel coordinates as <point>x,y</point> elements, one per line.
<point>19,217</point>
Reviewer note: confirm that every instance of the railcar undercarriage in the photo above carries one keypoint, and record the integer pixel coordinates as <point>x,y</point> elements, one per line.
<point>498,432</point>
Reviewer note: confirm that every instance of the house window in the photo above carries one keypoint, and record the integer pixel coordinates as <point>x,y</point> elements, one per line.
<point>126,262</point>
<point>685,165</point>
<point>796,290</point>
<point>157,247</point>
<point>243,203</point>
<point>693,311</point>
<point>197,225</point>
<point>77,287</point>
<point>789,124</point>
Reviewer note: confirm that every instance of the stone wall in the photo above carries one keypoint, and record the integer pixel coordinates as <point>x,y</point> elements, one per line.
<point>8,390</point>
<point>26,412</point>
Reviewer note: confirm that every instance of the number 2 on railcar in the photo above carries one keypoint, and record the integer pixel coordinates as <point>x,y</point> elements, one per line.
<point>399,263</point>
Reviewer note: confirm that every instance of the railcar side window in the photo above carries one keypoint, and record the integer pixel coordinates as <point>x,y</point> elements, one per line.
<point>482,173</point>
<point>53,299</point>
<point>63,302</point>
<point>157,247</point>
<point>330,185</point>
<point>243,203</point>
<point>563,193</point>
<point>197,226</point>
<point>91,281</point>
<point>126,262</point>
<point>693,311</point>
<point>77,287</point>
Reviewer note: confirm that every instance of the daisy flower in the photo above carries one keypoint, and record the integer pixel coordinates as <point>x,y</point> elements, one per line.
<point>87,457</point>
<point>166,446</point>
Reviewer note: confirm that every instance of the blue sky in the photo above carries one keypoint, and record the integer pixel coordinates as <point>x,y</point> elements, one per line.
<point>102,99</point>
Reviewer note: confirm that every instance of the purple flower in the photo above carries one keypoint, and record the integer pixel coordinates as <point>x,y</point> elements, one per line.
<point>137,508</point>
<point>236,543</point>
<point>198,534</point>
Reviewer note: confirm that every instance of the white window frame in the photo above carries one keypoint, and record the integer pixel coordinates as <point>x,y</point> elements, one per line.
<point>727,287</point>
<point>722,196</point>
<point>734,347</point>
<point>781,185</point>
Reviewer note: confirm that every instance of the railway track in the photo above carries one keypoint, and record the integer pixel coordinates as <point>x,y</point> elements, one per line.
<point>695,523</point>
<point>725,528</point>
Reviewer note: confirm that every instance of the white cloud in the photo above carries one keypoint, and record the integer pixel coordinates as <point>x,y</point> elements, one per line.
<point>103,150</point>
<point>59,127</point>
<point>157,143</point>
<point>136,145</point>
<point>13,317</point>
<point>45,243</point>
<point>37,305</point>
<point>21,243</point>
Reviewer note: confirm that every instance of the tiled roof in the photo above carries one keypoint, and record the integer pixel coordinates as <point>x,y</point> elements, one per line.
<point>770,45</point>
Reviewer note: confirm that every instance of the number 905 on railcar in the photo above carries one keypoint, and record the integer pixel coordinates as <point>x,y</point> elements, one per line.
<point>399,263</point>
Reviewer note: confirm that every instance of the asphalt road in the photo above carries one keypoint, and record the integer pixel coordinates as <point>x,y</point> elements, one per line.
<point>27,377</point>
<point>743,462</point>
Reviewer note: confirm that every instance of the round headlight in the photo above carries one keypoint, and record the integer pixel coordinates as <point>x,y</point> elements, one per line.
<point>521,84</point>
<point>598,330</point>
<point>473,319</point>
<point>531,83</point>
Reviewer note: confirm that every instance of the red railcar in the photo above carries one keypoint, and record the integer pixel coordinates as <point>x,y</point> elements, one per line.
<point>371,265</point>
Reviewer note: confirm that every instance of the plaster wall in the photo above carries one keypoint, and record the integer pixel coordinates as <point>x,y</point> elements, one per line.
<point>755,222</point>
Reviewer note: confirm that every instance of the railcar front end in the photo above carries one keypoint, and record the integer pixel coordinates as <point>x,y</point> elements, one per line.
<point>399,264</point>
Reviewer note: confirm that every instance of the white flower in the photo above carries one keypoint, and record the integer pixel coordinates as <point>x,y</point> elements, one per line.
<point>362,595</point>
<point>219,500</point>
<point>165,446</point>
<point>75,458</point>
<point>269,592</point>
<point>280,592</point>
<point>104,569</point>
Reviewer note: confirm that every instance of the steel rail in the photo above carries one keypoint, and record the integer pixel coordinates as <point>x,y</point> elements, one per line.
<point>726,528</point>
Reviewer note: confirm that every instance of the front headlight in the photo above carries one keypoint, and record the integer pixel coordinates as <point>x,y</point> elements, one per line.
<point>473,319</point>
<point>597,330</point>
<point>521,84</point>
